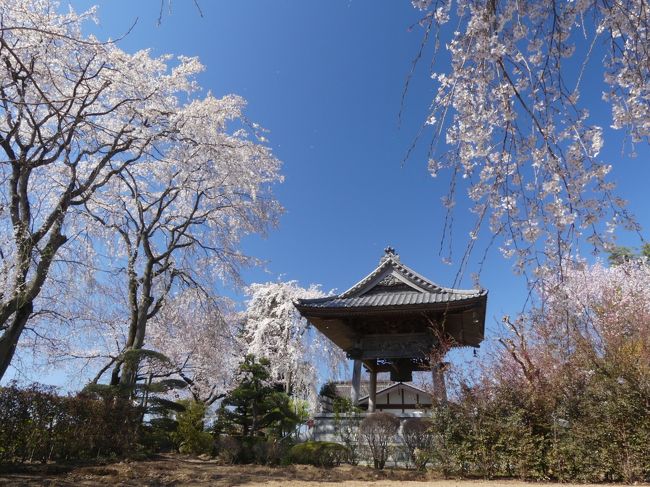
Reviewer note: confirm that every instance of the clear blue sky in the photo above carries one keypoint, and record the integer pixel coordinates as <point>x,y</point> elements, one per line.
<point>326,77</point>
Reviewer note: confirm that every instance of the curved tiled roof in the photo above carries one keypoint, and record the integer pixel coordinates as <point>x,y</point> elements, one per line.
<point>392,284</point>
<point>388,299</point>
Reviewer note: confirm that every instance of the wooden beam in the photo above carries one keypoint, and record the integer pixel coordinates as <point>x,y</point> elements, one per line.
<point>372,393</point>
<point>398,345</point>
<point>356,382</point>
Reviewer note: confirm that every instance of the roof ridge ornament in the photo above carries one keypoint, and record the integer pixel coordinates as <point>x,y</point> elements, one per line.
<point>390,253</point>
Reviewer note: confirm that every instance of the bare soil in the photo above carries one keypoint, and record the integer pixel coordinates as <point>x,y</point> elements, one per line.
<point>178,470</point>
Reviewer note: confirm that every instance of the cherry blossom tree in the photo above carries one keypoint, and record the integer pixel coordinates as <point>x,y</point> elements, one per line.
<point>198,336</point>
<point>176,219</point>
<point>79,326</point>
<point>192,339</point>
<point>103,144</point>
<point>593,314</point>
<point>75,113</point>
<point>274,329</point>
<point>599,310</point>
<point>511,122</point>
<point>578,368</point>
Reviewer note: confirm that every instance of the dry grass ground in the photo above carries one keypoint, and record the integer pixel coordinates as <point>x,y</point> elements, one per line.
<point>176,470</point>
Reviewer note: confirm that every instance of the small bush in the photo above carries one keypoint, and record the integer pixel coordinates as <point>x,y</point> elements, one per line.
<point>347,418</point>
<point>272,451</point>
<point>378,430</point>
<point>190,435</point>
<point>156,435</point>
<point>229,449</point>
<point>418,441</point>
<point>318,453</point>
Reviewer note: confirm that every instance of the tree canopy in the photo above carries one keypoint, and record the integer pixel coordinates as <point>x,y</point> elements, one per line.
<point>116,162</point>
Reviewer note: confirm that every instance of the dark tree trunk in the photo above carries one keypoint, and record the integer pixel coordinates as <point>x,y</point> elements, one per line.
<point>16,312</point>
<point>11,335</point>
<point>140,314</point>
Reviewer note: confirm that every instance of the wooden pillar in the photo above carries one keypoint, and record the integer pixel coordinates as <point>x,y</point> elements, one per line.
<point>356,382</point>
<point>372,393</point>
<point>439,386</point>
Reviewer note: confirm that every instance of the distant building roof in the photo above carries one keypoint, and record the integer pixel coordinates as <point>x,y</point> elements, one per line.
<point>343,388</point>
<point>395,385</point>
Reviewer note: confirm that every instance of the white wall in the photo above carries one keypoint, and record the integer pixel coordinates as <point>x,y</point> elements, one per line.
<point>392,399</point>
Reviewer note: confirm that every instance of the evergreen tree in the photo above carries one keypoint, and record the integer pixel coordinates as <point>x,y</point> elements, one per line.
<point>257,407</point>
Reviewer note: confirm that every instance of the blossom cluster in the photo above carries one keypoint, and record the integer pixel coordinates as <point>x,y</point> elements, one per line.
<point>274,329</point>
<point>510,113</point>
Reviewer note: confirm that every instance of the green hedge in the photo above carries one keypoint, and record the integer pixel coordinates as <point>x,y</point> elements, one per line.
<point>318,453</point>
<point>597,432</point>
<point>38,425</point>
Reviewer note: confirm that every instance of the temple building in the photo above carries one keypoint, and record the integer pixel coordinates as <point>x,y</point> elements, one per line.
<point>399,398</point>
<point>394,397</point>
<point>395,320</point>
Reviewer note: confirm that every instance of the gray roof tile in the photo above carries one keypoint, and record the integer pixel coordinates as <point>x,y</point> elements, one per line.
<point>392,284</point>
<point>388,299</point>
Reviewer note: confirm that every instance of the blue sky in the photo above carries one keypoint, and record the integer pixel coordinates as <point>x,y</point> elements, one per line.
<point>326,78</point>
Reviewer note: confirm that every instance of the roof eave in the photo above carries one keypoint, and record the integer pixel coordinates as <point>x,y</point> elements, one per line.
<point>443,306</point>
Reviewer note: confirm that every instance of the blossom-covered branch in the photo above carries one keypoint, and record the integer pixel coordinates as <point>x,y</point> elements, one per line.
<point>512,116</point>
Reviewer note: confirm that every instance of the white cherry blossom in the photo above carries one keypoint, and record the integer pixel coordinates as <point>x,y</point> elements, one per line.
<point>274,329</point>
<point>509,122</point>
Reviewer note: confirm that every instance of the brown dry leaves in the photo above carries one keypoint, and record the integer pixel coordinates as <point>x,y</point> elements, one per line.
<point>178,470</point>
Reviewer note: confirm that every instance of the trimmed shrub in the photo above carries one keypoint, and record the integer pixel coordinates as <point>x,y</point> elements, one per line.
<point>378,429</point>
<point>271,451</point>
<point>318,453</point>
<point>229,449</point>
<point>261,450</point>
<point>418,441</point>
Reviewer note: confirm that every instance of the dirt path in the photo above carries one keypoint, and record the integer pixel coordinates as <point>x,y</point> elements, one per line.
<point>178,471</point>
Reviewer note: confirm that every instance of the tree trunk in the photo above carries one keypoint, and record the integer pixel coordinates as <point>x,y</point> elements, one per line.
<point>9,339</point>
<point>17,313</point>
<point>142,307</point>
<point>136,341</point>
<point>139,310</point>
